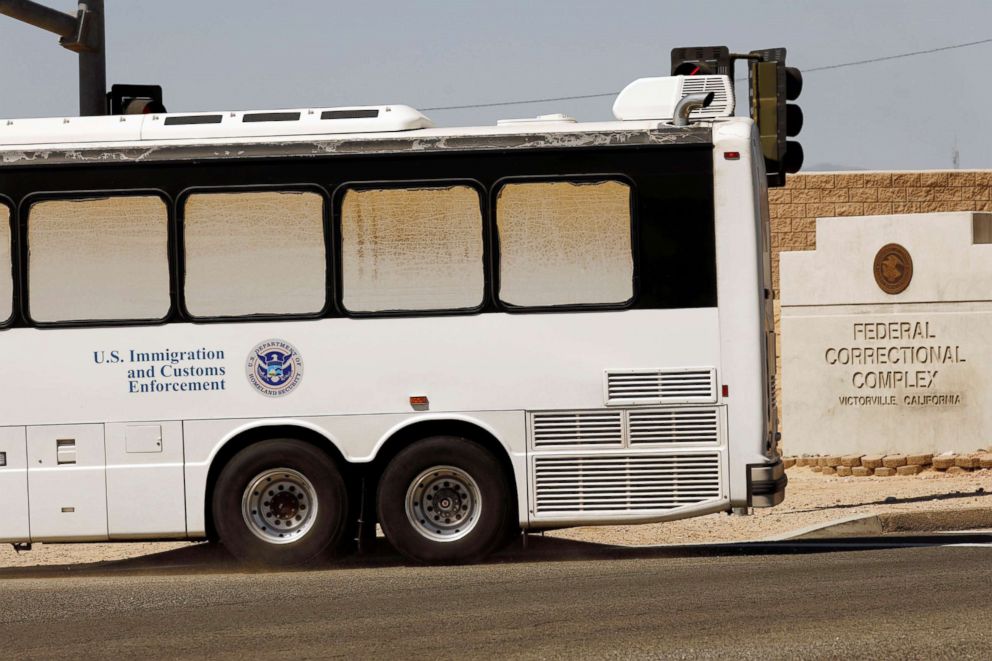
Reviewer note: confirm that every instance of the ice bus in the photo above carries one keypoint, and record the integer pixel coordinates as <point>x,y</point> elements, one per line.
<point>278,329</point>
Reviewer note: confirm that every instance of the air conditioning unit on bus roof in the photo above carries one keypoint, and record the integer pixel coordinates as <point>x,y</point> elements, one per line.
<point>656,98</point>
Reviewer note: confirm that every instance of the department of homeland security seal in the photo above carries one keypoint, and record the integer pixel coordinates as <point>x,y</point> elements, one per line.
<point>274,367</point>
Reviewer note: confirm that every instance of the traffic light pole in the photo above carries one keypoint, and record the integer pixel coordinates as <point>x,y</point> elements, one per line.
<point>770,85</point>
<point>83,34</point>
<point>93,61</point>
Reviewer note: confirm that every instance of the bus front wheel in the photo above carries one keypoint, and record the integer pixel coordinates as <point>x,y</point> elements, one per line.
<point>280,502</point>
<point>445,499</point>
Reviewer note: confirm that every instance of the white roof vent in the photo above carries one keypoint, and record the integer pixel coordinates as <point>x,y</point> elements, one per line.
<point>277,123</point>
<point>656,98</point>
<point>227,124</point>
<point>556,118</point>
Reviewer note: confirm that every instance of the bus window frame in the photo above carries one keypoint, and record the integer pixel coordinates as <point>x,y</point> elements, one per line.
<point>23,250</point>
<point>487,244</point>
<point>15,275</point>
<point>329,309</point>
<point>567,307</point>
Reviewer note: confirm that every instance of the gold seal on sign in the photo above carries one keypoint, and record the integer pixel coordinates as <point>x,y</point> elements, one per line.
<point>893,268</point>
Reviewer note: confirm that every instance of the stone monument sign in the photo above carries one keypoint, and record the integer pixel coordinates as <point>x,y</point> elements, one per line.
<point>887,336</point>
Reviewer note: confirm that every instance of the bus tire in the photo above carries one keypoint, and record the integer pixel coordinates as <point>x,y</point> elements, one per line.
<point>445,500</point>
<point>280,502</point>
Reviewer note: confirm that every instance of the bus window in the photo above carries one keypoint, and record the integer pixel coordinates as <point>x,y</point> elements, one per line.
<point>98,259</point>
<point>6,282</point>
<point>564,243</point>
<point>412,249</point>
<point>254,252</point>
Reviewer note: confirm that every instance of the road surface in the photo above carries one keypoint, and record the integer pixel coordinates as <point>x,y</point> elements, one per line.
<point>915,598</point>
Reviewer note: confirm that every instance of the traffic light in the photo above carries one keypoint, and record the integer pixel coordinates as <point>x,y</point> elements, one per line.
<point>702,61</point>
<point>772,86</point>
<point>135,100</point>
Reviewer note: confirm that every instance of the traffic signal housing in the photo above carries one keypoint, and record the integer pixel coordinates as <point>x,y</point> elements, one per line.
<point>135,100</point>
<point>773,85</point>
<point>702,61</point>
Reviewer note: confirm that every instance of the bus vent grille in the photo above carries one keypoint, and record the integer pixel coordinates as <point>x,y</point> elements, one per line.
<point>564,428</point>
<point>673,386</point>
<point>626,483</point>
<point>723,100</point>
<point>674,426</point>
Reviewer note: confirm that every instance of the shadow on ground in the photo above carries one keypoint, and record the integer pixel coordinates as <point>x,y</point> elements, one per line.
<point>214,559</point>
<point>892,500</point>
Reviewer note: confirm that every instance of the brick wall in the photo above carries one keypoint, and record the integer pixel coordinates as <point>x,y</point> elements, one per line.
<point>795,208</point>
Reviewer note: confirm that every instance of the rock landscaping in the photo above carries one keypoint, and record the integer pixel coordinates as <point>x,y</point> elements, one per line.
<point>892,464</point>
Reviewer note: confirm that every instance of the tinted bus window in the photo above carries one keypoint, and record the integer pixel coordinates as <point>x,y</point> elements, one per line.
<point>412,249</point>
<point>257,252</point>
<point>565,243</point>
<point>100,259</point>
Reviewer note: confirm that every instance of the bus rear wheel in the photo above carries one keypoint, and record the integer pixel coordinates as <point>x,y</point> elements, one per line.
<point>280,502</point>
<point>445,500</point>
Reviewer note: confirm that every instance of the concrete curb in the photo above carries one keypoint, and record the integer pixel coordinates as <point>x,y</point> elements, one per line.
<point>875,525</point>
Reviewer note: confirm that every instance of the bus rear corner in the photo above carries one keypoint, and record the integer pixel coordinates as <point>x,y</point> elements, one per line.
<point>766,483</point>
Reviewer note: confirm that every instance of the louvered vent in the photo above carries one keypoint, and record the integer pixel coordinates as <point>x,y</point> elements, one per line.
<point>684,386</point>
<point>565,428</point>
<point>629,483</point>
<point>723,97</point>
<point>674,426</point>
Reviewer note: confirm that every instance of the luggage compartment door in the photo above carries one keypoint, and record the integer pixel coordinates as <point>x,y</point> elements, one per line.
<point>14,485</point>
<point>67,483</point>
<point>146,495</point>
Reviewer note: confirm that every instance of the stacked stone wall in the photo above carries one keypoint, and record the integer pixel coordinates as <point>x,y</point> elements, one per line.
<point>866,465</point>
<point>806,197</point>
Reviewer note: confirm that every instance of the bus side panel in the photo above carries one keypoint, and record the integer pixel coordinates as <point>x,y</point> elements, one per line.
<point>370,367</point>
<point>14,485</point>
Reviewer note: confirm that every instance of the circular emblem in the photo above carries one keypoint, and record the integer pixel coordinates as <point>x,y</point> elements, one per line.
<point>274,367</point>
<point>893,268</point>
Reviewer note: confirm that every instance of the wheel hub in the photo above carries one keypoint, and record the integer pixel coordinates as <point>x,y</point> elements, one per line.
<point>443,503</point>
<point>279,506</point>
<point>284,505</point>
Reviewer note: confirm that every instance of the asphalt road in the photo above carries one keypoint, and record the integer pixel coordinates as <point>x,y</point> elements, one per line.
<point>560,600</point>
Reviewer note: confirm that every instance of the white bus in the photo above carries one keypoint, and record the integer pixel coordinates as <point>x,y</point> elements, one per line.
<point>277,329</point>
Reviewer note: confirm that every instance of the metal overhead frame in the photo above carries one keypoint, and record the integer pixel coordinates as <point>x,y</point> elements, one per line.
<point>83,34</point>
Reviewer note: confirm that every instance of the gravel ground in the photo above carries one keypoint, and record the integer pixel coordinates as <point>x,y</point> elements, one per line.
<point>811,498</point>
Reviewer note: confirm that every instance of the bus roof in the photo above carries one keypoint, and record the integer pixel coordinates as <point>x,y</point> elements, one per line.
<point>646,106</point>
<point>607,134</point>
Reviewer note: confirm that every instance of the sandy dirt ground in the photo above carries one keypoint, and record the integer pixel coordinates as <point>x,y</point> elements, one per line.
<point>811,499</point>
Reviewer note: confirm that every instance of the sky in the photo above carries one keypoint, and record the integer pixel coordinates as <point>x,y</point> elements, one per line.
<point>909,113</point>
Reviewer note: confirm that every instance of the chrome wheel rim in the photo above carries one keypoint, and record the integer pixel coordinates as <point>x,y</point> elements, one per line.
<point>443,503</point>
<point>279,506</point>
